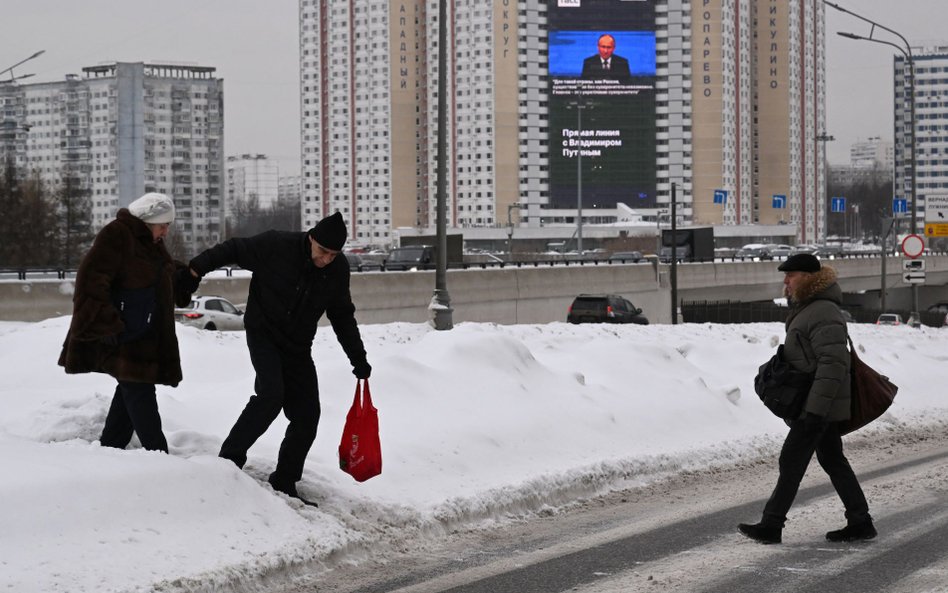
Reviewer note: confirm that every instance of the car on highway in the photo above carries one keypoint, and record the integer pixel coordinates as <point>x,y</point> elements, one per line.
<point>624,257</point>
<point>212,313</point>
<point>604,308</point>
<point>889,319</point>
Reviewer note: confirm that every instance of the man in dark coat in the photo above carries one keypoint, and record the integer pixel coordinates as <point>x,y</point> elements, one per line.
<point>296,278</point>
<point>816,344</point>
<point>123,318</point>
<point>605,64</point>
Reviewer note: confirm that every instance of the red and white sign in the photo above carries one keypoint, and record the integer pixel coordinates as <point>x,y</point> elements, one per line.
<point>913,246</point>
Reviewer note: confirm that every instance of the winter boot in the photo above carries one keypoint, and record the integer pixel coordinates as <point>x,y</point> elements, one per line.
<point>852,533</point>
<point>288,488</point>
<point>765,534</point>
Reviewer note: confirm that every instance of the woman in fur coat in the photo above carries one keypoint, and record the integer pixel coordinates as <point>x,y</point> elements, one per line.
<point>123,318</point>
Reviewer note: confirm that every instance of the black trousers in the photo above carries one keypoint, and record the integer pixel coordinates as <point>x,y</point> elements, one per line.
<point>285,381</point>
<point>134,408</point>
<point>795,456</point>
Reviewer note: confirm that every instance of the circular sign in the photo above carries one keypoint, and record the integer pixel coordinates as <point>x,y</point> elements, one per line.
<point>913,246</point>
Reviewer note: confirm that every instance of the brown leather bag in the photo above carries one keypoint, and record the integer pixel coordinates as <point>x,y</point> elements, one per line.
<point>871,394</point>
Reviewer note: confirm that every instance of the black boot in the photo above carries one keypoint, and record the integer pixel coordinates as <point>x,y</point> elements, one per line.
<point>852,533</point>
<point>765,534</point>
<point>288,488</point>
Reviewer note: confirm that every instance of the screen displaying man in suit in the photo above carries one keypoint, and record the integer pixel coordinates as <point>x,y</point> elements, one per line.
<point>606,64</point>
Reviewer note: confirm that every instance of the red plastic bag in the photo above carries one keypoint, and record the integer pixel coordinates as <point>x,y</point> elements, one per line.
<point>360,452</point>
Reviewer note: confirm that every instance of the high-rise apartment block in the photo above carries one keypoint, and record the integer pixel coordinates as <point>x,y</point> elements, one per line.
<point>252,177</point>
<point>124,129</point>
<point>724,99</point>
<point>931,126</point>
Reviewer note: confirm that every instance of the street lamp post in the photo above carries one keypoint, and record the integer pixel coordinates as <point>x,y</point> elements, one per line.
<point>440,306</point>
<point>10,69</point>
<point>907,52</point>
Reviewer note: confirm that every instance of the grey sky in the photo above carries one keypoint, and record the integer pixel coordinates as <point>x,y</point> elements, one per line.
<point>254,46</point>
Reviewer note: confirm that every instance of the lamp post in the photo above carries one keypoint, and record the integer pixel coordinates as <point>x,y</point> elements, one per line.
<point>510,228</point>
<point>440,305</point>
<point>10,69</point>
<point>907,52</point>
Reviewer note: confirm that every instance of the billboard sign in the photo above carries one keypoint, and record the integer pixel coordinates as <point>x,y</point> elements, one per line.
<point>602,70</point>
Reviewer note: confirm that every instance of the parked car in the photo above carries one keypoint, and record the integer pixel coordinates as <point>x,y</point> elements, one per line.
<point>357,263</point>
<point>210,312</point>
<point>412,257</point>
<point>625,257</point>
<point>889,319</point>
<point>604,308</point>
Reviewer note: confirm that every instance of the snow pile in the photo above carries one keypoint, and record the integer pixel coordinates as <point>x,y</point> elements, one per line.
<point>477,423</point>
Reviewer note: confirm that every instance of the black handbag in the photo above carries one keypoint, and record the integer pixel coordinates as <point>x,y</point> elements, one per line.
<point>782,388</point>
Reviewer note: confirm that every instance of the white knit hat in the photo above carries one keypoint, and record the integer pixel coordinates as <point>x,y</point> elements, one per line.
<point>153,208</point>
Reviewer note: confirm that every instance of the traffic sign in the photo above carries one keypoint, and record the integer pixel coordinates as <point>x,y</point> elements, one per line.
<point>936,216</point>
<point>913,265</point>
<point>720,196</point>
<point>936,230</point>
<point>779,201</point>
<point>913,277</point>
<point>899,206</point>
<point>913,246</point>
<point>838,205</point>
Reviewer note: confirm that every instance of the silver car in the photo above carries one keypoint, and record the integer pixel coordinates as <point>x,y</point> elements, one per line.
<point>210,312</point>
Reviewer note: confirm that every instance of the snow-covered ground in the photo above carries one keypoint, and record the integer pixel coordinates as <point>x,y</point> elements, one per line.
<point>477,423</point>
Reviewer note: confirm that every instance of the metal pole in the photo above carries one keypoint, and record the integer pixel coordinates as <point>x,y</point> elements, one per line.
<point>440,307</point>
<point>674,254</point>
<point>911,62</point>
<point>907,52</point>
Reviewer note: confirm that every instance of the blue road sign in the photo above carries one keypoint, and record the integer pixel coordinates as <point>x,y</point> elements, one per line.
<point>838,205</point>
<point>780,201</point>
<point>720,196</point>
<point>899,206</point>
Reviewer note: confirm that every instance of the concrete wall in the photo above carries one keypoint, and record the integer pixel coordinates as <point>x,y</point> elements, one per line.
<point>533,294</point>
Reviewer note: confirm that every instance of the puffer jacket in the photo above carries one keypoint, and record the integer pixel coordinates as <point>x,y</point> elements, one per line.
<point>124,257</point>
<point>816,343</point>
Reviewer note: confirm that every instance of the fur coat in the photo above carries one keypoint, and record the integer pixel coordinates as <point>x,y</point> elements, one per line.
<point>124,258</point>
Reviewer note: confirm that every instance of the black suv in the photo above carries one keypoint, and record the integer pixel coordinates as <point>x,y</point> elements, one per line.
<point>604,308</point>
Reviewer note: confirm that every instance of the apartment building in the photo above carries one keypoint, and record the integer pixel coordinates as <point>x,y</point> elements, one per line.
<point>931,126</point>
<point>124,129</point>
<point>725,100</point>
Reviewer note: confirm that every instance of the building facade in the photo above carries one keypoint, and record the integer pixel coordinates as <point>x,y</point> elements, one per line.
<point>732,91</point>
<point>124,129</point>
<point>251,177</point>
<point>931,126</point>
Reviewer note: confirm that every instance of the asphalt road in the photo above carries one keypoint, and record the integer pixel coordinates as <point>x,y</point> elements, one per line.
<point>680,535</point>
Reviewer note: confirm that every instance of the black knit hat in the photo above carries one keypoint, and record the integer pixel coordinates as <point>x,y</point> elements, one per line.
<point>330,232</point>
<point>801,262</point>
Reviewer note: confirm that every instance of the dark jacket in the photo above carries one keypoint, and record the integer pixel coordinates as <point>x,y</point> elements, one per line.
<point>618,68</point>
<point>288,293</point>
<point>124,263</point>
<point>816,343</point>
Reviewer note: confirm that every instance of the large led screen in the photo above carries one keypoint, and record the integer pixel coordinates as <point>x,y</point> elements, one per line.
<point>602,103</point>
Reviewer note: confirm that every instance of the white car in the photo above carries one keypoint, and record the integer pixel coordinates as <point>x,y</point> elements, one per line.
<point>210,312</point>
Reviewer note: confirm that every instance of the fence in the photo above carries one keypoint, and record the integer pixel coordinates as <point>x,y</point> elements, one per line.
<point>765,311</point>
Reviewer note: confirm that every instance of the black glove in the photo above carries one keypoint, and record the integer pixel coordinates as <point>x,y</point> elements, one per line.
<point>185,281</point>
<point>813,423</point>
<point>362,370</point>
